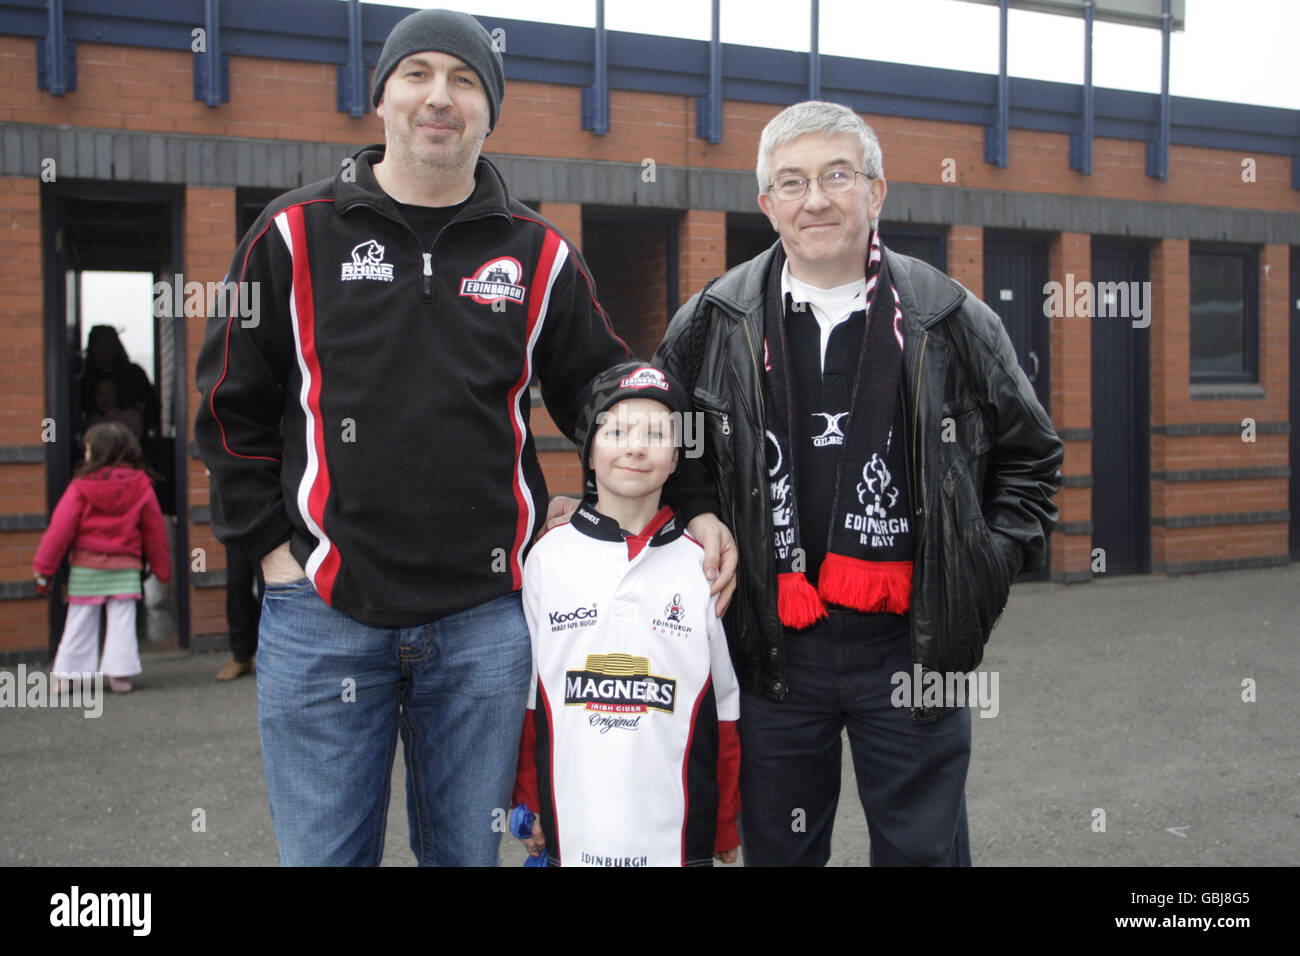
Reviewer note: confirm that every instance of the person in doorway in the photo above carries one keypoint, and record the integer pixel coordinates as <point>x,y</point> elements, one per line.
<point>106,358</point>
<point>244,590</point>
<point>109,409</point>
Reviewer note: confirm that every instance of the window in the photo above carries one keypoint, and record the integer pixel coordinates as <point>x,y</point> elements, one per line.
<point>1224,313</point>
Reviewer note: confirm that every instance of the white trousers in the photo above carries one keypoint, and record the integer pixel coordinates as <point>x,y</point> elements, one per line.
<point>79,649</point>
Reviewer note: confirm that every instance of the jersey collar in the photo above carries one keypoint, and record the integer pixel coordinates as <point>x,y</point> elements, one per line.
<point>662,528</point>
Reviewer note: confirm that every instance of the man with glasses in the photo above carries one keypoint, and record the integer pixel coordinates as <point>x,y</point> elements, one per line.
<point>887,472</point>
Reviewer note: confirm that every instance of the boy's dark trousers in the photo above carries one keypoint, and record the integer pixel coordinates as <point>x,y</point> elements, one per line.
<point>911,776</point>
<point>243,607</point>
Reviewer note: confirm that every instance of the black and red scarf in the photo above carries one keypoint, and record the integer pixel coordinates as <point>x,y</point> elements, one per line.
<point>868,565</point>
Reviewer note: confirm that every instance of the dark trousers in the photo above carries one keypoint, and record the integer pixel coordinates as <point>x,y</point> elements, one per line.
<point>911,776</point>
<point>243,607</point>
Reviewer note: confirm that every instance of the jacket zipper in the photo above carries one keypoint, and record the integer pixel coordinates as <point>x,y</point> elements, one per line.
<point>427,292</point>
<point>916,415</point>
<point>917,501</point>
<point>758,376</point>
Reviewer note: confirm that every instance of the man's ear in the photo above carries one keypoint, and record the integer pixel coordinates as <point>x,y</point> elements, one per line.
<point>765,204</point>
<point>878,190</point>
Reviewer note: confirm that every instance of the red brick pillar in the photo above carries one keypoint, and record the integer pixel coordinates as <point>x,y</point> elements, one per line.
<point>566,217</point>
<point>210,242</point>
<point>1275,330</point>
<point>1070,264</point>
<point>966,257</point>
<point>703,249</point>
<point>1170,378</point>
<point>22,369</point>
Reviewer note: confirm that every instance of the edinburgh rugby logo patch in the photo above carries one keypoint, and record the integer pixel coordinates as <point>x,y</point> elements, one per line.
<point>645,378</point>
<point>498,279</point>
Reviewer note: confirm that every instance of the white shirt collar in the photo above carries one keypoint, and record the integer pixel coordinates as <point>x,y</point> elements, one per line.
<point>829,307</point>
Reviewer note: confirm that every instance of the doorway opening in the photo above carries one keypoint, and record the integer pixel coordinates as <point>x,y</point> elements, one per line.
<point>108,357</point>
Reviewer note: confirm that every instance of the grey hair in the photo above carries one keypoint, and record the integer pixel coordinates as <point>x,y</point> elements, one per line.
<point>815,116</point>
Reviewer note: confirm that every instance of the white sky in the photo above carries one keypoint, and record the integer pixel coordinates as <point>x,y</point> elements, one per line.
<point>1241,51</point>
<point>123,300</point>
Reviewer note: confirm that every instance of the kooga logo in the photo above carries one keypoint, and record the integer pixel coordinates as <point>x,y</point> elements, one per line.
<point>579,617</point>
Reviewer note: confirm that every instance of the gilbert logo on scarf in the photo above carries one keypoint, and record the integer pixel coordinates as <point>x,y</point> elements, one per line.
<point>645,378</point>
<point>834,434</point>
<point>493,280</point>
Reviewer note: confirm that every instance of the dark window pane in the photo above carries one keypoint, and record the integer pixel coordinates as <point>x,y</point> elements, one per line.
<point>1218,292</point>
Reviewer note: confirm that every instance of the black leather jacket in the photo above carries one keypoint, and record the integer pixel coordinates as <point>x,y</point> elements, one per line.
<point>984,463</point>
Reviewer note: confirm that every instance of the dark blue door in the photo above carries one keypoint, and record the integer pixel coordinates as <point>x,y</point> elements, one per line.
<point>1121,415</point>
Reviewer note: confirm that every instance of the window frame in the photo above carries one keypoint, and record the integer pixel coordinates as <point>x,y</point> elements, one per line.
<point>1250,256</point>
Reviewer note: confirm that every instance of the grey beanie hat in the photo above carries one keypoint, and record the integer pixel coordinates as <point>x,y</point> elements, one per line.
<point>444,31</point>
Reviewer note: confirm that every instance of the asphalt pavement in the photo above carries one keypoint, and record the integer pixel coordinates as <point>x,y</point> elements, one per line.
<point>1121,738</point>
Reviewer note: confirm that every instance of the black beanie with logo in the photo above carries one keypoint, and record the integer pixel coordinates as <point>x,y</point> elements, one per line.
<point>616,384</point>
<point>444,31</point>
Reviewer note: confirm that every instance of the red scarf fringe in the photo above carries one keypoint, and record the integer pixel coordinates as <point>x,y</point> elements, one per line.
<point>868,586</point>
<point>797,602</point>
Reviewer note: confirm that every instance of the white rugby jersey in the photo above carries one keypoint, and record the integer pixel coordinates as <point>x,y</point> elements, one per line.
<point>630,753</point>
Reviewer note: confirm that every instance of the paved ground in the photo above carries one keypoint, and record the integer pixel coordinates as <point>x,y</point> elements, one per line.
<point>1124,695</point>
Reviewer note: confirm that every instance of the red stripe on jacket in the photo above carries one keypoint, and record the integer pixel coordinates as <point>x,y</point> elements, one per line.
<point>541,288</point>
<point>225,369</point>
<point>304,305</point>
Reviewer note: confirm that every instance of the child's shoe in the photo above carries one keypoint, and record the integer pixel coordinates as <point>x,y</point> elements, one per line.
<point>119,685</point>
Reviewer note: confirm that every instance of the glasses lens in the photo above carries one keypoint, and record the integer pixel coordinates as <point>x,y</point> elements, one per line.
<point>838,180</point>
<point>791,187</point>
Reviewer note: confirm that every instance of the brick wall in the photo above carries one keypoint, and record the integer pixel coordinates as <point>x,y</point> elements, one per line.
<point>152,90</point>
<point>1070,254</point>
<point>210,241</point>
<point>1172,403</point>
<point>22,369</point>
<point>966,257</point>
<point>702,249</point>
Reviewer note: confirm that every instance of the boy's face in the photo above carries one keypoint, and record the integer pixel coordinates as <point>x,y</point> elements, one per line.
<point>634,449</point>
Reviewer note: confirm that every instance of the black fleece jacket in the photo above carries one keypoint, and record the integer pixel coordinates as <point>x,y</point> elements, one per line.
<point>373,409</point>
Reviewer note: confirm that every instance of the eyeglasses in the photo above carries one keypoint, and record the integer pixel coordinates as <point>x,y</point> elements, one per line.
<point>833,181</point>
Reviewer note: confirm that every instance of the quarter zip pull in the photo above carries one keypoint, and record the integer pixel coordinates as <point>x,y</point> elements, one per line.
<point>428,275</point>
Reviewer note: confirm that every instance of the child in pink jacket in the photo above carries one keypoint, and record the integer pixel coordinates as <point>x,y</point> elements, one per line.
<point>110,518</point>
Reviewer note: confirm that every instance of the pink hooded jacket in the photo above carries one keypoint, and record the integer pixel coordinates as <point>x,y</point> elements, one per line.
<point>113,511</point>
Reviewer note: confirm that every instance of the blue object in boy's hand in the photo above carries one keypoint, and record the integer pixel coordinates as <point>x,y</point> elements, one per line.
<point>521,825</point>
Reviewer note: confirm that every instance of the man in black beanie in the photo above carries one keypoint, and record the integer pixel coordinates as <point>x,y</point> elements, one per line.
<point>368,441</point>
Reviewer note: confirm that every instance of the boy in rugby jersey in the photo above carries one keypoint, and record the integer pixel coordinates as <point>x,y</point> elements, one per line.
<point>629,755</point>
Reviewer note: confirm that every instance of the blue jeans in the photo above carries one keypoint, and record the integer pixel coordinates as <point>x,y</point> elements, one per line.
<point>333,694</point>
